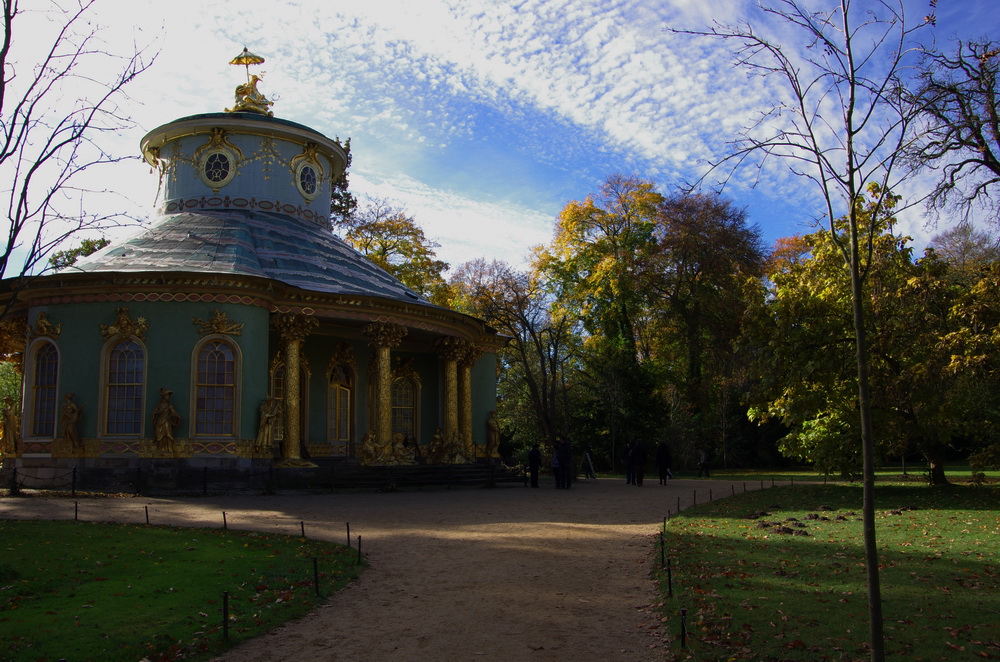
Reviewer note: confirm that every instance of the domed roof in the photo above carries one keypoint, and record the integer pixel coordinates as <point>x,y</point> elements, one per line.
<point>251,243</point>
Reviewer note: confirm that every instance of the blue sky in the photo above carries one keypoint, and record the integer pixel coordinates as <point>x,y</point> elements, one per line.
<point>482,117</point>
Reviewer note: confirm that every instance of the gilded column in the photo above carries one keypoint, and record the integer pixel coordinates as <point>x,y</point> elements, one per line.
<point>452,350</point>
<point>467,360</point>
<point>384,336</point>
<point>293,329</point>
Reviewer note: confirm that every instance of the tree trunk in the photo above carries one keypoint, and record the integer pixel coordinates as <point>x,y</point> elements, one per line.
<point>935,463</point>
<point>876,631</point>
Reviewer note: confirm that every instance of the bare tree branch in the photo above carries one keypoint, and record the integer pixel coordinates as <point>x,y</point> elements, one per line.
<point>53,111</point>
<point>959,99</point>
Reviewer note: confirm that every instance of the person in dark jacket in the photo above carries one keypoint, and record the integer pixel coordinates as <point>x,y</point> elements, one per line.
<point>703,463</point>
<point>639,460</point>
<point>565,452</point>
<point>663,462</point>
<point>534,464</point>
<point>629,463</point>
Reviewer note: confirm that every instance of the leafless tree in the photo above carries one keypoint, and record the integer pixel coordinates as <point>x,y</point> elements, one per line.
<point>843,123</point>
<point>60,91</point>
<point>959,100</point>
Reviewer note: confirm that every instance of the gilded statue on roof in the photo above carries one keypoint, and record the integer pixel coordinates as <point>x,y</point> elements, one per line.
<point>248,98</point>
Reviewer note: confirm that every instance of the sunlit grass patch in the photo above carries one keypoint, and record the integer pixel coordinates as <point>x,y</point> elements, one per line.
<point>779,574</point>
<point>94,591</point>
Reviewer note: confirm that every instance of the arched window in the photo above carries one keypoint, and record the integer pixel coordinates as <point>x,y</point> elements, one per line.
<point>124,388</point>
<point>43,390</point>
<point>339,396</point>
<point>404,407</point>
<point>215,389</point>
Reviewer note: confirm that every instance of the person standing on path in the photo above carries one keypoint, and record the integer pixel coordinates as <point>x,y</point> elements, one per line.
<point>663,462</point>
<point>588,464</point>
<point>534,464</point>
<point>703,463</point>
<point>565,452</point>
<point>556,473</point>
<point>639,461</point>
<point>629,463</point>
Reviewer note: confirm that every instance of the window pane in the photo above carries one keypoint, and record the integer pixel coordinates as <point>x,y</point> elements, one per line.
<point>43,415</point>
<point>404,407</point>
<point>124,388</point>
<point>215,392</point>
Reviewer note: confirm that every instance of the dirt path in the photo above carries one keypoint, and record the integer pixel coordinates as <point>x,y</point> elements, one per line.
<point>503,574</point>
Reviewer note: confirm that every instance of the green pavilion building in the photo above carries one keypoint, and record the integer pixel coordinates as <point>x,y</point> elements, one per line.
<point>237,332</point>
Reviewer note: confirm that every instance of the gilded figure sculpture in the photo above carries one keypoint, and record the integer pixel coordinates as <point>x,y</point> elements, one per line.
<point>437,450</point>
<point>270,416</point>
<point>248,97</point>
<point>69,421</point>
<point>44,328</point>
<point>11,425</point>
<point>165,419</point>
<point>492,435</point>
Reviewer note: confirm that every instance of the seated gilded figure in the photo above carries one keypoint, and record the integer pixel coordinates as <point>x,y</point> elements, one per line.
<point>250,100</point>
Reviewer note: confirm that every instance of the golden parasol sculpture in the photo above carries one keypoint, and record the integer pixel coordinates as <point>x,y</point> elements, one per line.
<point>248,98</point>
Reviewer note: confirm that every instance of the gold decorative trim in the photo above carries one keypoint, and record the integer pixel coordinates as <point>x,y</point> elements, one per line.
<point>61,447</point>
<point>219,140</point>
<point>13,338</point>
<point>343,354</point>
<point>452,348</point>
<point>403,369</point>
<point>124,326</point>
<point>178,448</point>
<point>43,328</point>
<point>218,323</point>
<point>308,157</point>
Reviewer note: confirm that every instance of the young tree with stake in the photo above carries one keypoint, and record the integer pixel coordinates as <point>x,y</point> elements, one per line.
<point>843,123</point>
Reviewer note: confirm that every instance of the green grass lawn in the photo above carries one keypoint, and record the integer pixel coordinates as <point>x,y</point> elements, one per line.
<point>95,591</point>
<point>779,574</point>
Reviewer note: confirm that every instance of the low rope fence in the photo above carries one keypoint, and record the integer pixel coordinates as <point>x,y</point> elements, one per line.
<point>667,563</point>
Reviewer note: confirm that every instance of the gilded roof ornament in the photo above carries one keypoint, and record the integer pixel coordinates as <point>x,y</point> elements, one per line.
<point>248,97</point>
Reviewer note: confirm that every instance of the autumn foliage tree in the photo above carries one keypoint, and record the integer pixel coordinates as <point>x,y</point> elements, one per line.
<point>535,365</point>
<point>391,238</point>
<point>922,403</point>
<point>706,255</point>
<point>595,268</point>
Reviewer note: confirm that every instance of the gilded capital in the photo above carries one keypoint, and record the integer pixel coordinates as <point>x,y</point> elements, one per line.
<point>294,327</point>
<point>385,334</point>
<point>452,348</point>
<point>471,355</point>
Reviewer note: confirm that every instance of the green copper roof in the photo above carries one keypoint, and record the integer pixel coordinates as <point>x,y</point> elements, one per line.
<point>251,243</point>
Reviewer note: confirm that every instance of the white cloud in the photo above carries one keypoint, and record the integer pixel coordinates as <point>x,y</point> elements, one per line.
<point>465,228</point>
<point>568,87</point>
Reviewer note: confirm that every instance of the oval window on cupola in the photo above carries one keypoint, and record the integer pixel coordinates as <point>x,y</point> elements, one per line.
<point>307,180</point>
<point>217,168</point>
